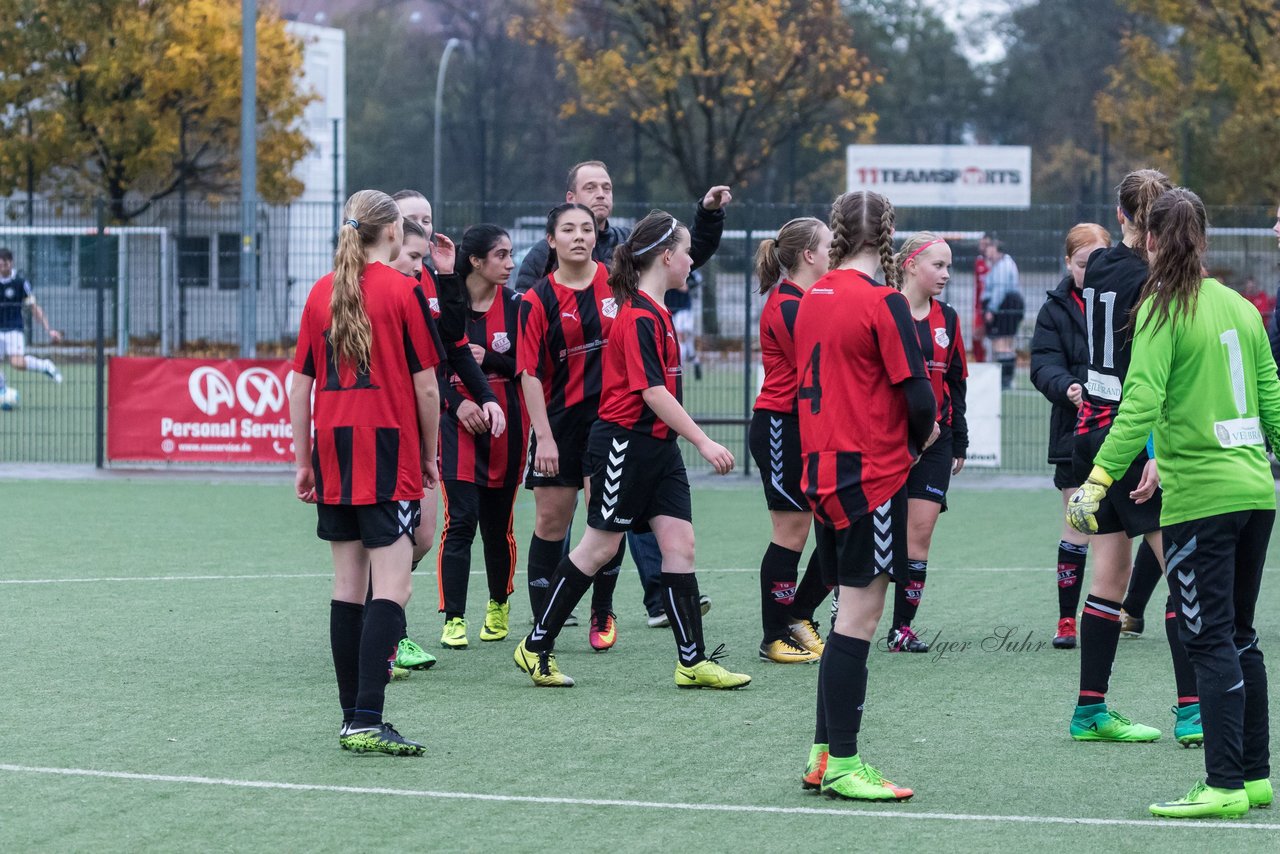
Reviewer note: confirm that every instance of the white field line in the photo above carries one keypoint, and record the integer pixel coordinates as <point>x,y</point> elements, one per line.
<point>887,813</point>
<point>274,576</point>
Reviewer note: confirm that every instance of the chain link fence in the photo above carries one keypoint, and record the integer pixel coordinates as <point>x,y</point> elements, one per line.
<point>168,284</point>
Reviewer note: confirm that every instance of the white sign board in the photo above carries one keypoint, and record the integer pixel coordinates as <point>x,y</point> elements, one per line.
<point>983,400</point>
<point>943,176</point>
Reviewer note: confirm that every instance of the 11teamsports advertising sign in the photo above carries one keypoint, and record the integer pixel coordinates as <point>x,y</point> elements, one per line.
<point>199,410</point>
<point>943,176</point>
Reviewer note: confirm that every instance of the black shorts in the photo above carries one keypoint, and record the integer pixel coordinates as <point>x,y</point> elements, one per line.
<point>1064,476</point>
<point>571,429</point>
<point>874,545</point>
<point>774,440</point>
<point>931,475</point>
<point>1008,316</point>
<point>634,477</point>
<point>374,525</point>
<point>1118,512</point>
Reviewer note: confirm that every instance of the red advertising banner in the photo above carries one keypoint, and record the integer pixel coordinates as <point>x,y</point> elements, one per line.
<point>199,410</point>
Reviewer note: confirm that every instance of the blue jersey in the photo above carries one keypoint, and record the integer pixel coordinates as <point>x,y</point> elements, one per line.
<point>13,293</point>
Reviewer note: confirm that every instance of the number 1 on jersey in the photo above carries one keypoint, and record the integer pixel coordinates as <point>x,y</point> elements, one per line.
<point>813,391</point>
<point>1235,366</point>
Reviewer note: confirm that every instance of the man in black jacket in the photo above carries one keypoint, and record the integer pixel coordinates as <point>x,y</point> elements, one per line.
<point>589,184</point>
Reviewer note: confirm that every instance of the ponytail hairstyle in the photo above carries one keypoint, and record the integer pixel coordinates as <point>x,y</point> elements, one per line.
<point>917,243</point>
<point>365,216</point>
<point>860,220</point>
<point>477,242</point>
<point>652,236</point>
<point>1135,194</point>
<point>553,219</point>
<point>1178,222</point>
<point>778,256</point>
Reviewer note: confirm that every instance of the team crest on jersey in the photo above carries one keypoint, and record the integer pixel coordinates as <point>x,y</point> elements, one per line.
<point>435,305</point>
<point>940,337</point>
<point>609,306</point>
<point>9,293</point>
<point>501,343</point>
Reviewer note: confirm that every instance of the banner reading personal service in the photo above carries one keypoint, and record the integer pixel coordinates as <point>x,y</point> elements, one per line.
<point>943,176</point>
<point>199,410</point>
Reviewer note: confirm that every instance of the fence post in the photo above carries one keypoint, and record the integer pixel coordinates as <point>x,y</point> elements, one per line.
<point>747,362</point>
<point>100,372</point>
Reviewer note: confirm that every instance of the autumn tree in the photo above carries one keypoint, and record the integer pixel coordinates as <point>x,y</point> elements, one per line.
<point>137,100</point>
<point>716,85</point>
<point>1043,92</point>
<point>1197,93</point>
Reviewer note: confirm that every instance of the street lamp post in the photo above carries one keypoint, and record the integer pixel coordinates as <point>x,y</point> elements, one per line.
<point>449,47</point>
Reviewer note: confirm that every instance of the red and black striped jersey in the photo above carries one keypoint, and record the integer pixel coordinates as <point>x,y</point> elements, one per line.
<point>943,351</point>
<point>1113,280</point>
<point>367,443</point>
<point>484,460</point>
<point>563,333</point>
<point>778,349</point>
<point>855,341</point>
<point>643,353</point>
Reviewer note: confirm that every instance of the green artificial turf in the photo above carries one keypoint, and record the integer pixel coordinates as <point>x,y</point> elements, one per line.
<point>230,679</point>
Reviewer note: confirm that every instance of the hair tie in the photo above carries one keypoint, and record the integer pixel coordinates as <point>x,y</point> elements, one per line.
<point>661,239</point>
<point>353,223</point>
<point>933,242</point>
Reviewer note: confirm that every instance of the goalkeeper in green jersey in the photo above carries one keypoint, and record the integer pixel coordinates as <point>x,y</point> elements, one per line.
<point>1203,380</point>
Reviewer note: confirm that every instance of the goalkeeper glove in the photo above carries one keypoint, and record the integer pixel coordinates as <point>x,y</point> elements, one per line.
<point>1082,508</point>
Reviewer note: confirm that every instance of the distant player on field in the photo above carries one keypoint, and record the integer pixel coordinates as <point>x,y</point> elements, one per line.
<point>786,266</point>
<point>925,264</point>
<point>15,293</point>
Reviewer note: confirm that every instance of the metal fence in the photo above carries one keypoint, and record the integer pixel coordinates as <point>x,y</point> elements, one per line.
<point>168,284</point>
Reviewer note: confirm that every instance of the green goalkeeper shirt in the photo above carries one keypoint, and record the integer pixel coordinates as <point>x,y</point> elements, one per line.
<point>1205,385</point>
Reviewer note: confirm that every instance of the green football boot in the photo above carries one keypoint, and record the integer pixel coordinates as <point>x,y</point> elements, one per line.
<point>1098,723</point>
<point>1205,801</point>
<point>1187,729</point>
<point>495,621</point>
<point>454,635</point>
<point>851,779</point>
<point>1259,792</point>
<point>413,657</point>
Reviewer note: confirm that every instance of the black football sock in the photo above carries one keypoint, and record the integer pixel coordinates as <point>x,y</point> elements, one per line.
<point>844,690</point>
<point>346,623</point>
<point>1071,558</point>
<point>567,587</point>
<point>1142,583</point>
<point>1099,635</point>
<point>912,591</point>
<point>383,628</point>
<point>544,556</point>
<point>1008,362</point>
<point>1184,675</point>
<point>812,590</point>
<point>680,595</point>
<point>820,724</point>
<point>778,572</point>
<point>606,581</point>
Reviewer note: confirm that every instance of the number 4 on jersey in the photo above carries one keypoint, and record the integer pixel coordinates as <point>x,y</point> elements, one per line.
<point>813,391</point>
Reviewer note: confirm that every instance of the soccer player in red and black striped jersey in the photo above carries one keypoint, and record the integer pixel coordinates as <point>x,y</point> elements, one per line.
<point>866,413</point>
<point>786,265</point>
<point>638,479</point>
<point>1111,290</point>
<point>925,263</point>
<point>365,351</point>
<point>415,249</point>
<point>481,472</point>
<point>564,327</point>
